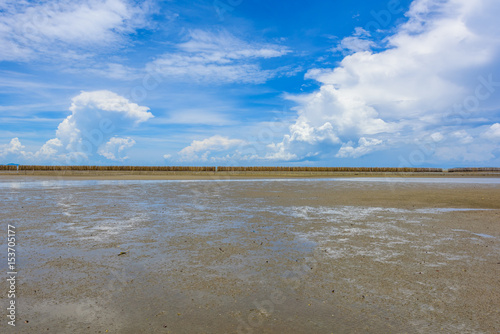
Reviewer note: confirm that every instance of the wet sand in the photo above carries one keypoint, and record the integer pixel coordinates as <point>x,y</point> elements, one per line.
<point>289,256</point>
<point>222,175</point>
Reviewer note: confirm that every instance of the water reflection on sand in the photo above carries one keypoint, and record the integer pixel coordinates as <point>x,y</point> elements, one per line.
<point>346,254</point>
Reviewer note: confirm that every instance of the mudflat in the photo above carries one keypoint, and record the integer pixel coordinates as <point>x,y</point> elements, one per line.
<point>254,256</point>
<point>226,175</point>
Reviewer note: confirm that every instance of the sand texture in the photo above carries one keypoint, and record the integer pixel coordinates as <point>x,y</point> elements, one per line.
<point>254,256</point>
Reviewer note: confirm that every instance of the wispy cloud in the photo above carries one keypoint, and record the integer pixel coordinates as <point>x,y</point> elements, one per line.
<point>360,41</point>
<point>197,117</point>
<point>112,71</point>
<point>66,29</point>
<point>217,57</point>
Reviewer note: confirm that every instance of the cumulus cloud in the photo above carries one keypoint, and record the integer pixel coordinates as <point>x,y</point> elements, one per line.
<point>493,132</point>
<point>65,29</point>
<point>95,116</point>
<point>215,143</point>
<point>279,153</point>
<point>12,149</point>
<point>304,138</point>
<point>115,147</point>
<point>429,70</point>
<point>365,146</point>
<point>218,57</point>
<point>89,131</point>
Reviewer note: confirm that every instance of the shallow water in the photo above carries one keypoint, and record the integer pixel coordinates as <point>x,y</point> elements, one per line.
<point>59,183</point>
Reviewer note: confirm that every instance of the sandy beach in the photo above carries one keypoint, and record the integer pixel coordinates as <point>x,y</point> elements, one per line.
<point>99,255</point>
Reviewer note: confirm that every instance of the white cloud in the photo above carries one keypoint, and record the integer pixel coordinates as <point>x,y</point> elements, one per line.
<point>466,153</point>
<point>109,102</point>
<point>304,138</point>
<point>437,137</point>
<point>303,132</point>
<point>215,143</point>
<point>88,131</point>
<point>431,65</point>
<point>493,132</point>
<point>12,149</point>
<point>218,58</point>
<point>50,148</point>
<point>365,146</point>
<point>462,137</point>
<point>279,153</point>
<point>106,70</point>
<point>357,43</point>
<point>115,147</point>
<point>65,29</point>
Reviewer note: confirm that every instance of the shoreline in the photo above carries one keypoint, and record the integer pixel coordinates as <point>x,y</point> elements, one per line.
<point>190,175</point>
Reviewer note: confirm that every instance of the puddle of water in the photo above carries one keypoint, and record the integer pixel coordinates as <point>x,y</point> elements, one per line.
<point>443,210</point>
<point>483,235</point>
<point>478,234</point>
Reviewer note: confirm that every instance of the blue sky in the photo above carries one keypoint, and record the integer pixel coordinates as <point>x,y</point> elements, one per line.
<point>250,82</point>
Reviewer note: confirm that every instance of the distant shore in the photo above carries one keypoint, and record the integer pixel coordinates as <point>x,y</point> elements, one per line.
<point>221,175</point>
